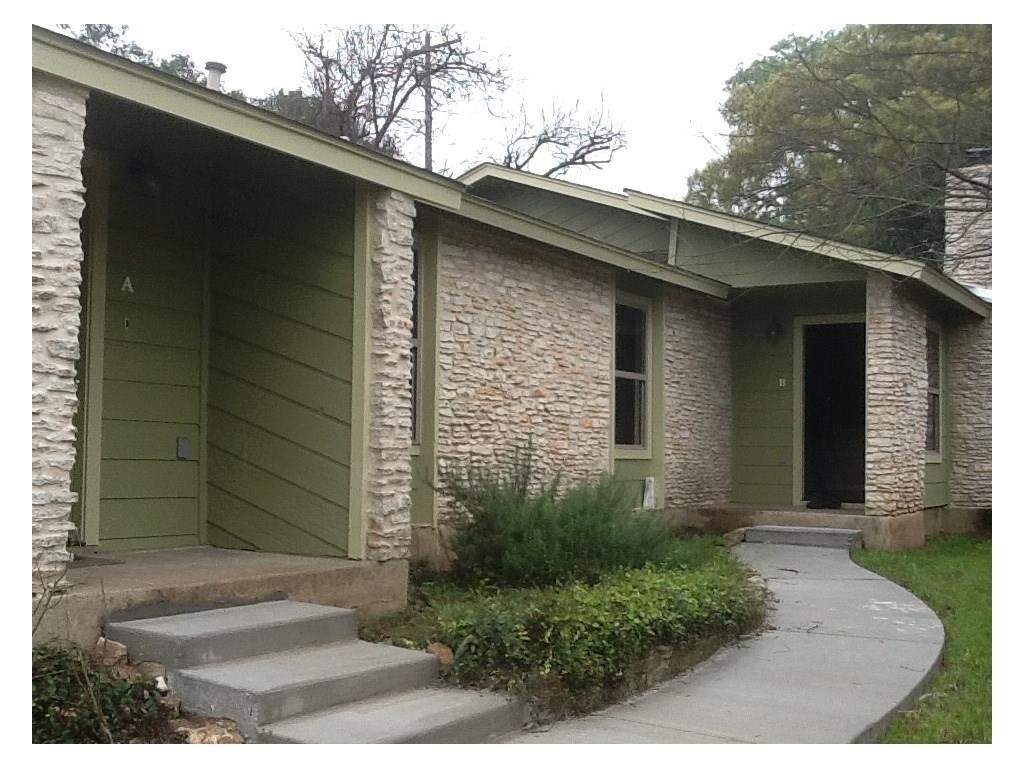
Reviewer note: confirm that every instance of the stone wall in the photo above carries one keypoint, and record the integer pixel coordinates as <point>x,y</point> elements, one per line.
<point>390,292</point>
<point>969,377</point>
<point>698,400</point>
<point>896,392</point>
<point>968,255</point>
<point>58,199</point>
<point>525,349</point>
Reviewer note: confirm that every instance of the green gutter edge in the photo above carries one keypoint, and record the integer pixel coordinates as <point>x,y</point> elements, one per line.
<point>493,215</point>
<point>67,59</point>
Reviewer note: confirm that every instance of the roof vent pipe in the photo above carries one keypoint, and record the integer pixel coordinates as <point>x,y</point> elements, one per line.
<point>214,69</point>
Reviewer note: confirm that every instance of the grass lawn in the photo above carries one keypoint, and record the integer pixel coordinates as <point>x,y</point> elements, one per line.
<point>953,575</point>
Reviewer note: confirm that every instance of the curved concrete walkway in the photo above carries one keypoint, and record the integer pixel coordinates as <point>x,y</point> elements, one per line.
<point>845,650</point>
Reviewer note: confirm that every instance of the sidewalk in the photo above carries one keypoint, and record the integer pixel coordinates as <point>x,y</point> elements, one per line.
<point>845,650</point>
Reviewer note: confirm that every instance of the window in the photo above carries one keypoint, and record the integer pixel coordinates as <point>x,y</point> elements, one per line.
<point>632,367</point>
<point>933,435</point>
<point>416,296</point>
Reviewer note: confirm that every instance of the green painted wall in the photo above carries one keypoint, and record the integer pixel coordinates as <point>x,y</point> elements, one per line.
<point>762,410</point>
<point>280,365</point>
<point>152,364</point>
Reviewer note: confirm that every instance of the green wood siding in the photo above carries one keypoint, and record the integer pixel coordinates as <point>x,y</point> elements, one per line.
<point>763,412</point>
<point>151,367</point>
<point>279,404</point>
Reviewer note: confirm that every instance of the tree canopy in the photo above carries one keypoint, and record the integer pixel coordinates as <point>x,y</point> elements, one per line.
<point>850,135</point>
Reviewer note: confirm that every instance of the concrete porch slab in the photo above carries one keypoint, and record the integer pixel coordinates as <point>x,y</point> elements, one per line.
<point>164,581</point>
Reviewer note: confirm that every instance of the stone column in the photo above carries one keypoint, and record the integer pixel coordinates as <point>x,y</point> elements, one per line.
<point>390,293</point>
<point>896,404</point>
<point>58,199</point>
<point>969,399</point>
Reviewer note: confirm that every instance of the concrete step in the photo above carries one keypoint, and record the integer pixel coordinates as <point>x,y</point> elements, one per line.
<point>425,716</point>
<point>264,689</point>
<point>840,538</point>
<point>223,634</point>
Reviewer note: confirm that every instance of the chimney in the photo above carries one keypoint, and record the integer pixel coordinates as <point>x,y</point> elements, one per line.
<point>214,69</point>
<point>968,256</point>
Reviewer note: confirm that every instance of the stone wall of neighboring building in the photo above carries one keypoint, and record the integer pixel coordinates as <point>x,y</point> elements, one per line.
<point>896,392</point>
<point>968,255</point>
<point>390,293</point>
<point>58,199</point>
<point>969,374</point>
<point>698,400</point>
<point>525,349</point>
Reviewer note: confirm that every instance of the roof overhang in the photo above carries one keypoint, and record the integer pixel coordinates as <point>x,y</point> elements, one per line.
<point>486,212</point>
<point>557,186</point>
<point>75,62</point>
<point>861,257</point>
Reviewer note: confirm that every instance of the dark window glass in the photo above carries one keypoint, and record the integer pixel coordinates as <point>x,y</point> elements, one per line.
<point>629,411</point>
<point>933,360</point>
<point>630,341</point>
<point>933,434</point>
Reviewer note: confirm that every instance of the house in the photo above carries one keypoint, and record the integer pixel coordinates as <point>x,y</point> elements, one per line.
<point>249,335</point>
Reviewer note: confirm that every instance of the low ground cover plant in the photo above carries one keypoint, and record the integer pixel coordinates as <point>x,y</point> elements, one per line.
<point>78,701</point>
<point>564,592</point>
<point>953,575</point>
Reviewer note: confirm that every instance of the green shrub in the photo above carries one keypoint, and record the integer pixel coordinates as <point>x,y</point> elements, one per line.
<point>516,530</point>
<point>585,636</point>
<point>76,701</point>
<point>577,639</point>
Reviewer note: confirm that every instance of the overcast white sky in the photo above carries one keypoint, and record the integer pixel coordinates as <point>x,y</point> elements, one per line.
<point>661,77</point>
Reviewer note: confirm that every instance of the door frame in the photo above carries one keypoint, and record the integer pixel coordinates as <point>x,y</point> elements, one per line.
<point>799,324</point>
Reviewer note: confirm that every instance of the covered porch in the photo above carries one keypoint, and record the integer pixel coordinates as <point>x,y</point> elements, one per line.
<point>217,342</point>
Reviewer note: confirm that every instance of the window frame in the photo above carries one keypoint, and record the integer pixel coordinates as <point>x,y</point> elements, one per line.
<point>935,455</point>
<point>645,305</point>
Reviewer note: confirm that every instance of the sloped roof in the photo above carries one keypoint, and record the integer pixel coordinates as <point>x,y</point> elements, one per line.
<point>492,176</point>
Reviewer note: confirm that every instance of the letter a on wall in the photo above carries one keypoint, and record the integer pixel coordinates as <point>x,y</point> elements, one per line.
<point>126,286</point>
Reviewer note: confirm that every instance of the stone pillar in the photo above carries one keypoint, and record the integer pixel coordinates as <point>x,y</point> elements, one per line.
<point>969,399</point>
<point>698,401</point>
<point>896,404</point>
<point>58,199</point>
<point>390,293</point>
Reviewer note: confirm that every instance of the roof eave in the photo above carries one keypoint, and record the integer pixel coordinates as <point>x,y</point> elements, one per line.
<point>865,258</point>
<point>69,60</point>
<point>493,171</point>
<point>486,212</point>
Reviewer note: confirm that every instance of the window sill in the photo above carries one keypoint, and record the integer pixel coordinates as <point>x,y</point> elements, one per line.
<point>932,457</point>
<point>415,449</point>
<point>622,452</point>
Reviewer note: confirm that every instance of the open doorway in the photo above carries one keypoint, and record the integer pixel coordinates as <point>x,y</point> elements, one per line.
<point>833,360</point>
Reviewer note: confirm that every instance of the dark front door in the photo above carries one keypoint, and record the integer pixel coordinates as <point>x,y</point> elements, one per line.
<point>833,414</point>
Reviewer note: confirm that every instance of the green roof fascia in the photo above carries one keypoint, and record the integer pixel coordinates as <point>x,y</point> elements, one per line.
<point>558,186</point>
<point>486,212</point>
<point>61,57</point>
<point>862,257</point>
